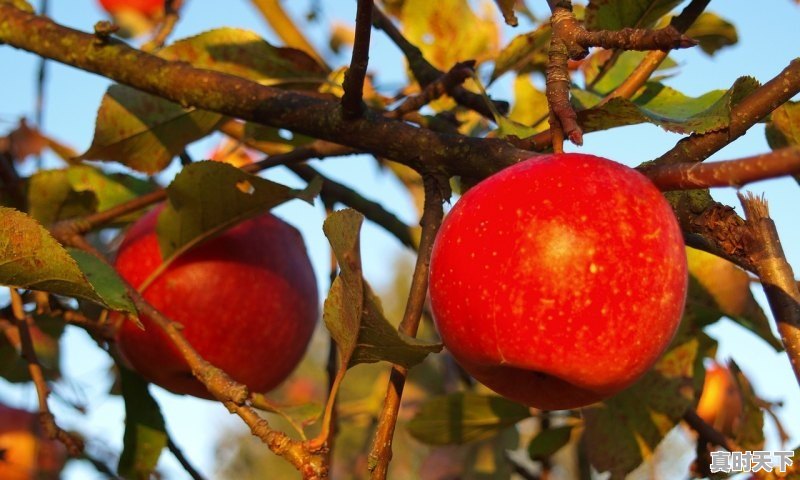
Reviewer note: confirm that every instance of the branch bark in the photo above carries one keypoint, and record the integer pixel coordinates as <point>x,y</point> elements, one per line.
<point>353,85</point>
<point>237,97</point>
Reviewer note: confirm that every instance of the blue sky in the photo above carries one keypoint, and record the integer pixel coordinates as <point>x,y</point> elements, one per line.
<point>767,42</point>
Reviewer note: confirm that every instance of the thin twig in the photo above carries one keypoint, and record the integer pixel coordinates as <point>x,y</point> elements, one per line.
<point>731,173</point>
<point>166,26</point>
<point>41,78</point>
<point>455,76</point>
<point>47,421</point>
<point>765,250</point>
<point>707,433</point>
<point>381,453</point>
<point>181,458</point>
<point>353,84</point>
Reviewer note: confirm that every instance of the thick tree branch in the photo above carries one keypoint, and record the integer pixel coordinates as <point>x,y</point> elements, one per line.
<point>241,98</point>
<point>46,419</point>
<point>777,279</point>
<point>381,453</point>
<point>745,114</point>
<point>353,85</point>
<point>731,173</point>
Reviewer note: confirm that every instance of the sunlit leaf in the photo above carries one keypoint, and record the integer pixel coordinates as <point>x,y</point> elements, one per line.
<point>208,197</point>
<point>713,32</point>
<point>663,106</point>
<point>530,105</point>
<point>729,287</point>
<point>145,434</point>
<point>31,258</point>
<point>617,72</point>
<point>449,31</point>
<point>464,417</point>
<point>618,14</point>
<point>79,190</point>
<point>783,126</point>
<point>145,132</point>
<point>750,431</point>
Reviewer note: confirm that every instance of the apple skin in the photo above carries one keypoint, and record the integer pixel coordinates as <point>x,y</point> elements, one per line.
<point>720,404</point>
<point>148,8</point>
<point>559,281</point>
<point>247,300</point>
<point>26,454</point>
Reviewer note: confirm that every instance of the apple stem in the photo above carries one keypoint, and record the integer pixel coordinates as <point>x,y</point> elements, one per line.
<point>436,189</point>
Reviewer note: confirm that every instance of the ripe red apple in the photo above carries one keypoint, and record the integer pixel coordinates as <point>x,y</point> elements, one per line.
<point>147,8</point>
<point>559,281</point>
<point>247,300</point>
<point>24,453</point>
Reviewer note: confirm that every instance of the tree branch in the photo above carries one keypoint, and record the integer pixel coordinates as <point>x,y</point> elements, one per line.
<point>171,16</point>
<point>765,250</point>
<point>241,98</point>
<point>745,114</point>
<point>731,173</point>
<point>707,433</point>
<point>46,419</point>
<point>353,85</point>
<point>381,453</point>
<point>181,458</point>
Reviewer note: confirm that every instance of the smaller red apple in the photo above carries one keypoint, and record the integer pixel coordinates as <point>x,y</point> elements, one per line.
<point>147,8</point>
<point>246,299</point>
<point>24,453</point>
<point>720,404</point>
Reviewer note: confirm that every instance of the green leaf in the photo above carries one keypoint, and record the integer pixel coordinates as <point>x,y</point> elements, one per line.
<point>728,289</point>
<point>713,32</point>
<point>783,126</point>
<point>624,430</point>
<point>145,132</point>
<point>618,14</point>
<point>245,54</point>
<point>79,190</point>
<point>379,340</point>
<point>446,39</point>
<point>206,198</point>
<point>353,313</point>
<point>459,418</point>
<point>548,442</point>
<point>524,53</point>
<point>145,434</point>
<point>663,106</point>
<point>104,279</point>
<point>31,258</point>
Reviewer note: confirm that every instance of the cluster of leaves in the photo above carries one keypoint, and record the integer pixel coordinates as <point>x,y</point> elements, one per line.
<point>145,133</point>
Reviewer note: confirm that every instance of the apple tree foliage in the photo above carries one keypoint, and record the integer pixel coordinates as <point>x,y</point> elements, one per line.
<point>449,426</point>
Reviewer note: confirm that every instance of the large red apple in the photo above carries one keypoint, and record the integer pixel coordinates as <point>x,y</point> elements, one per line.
<point>247,300</point>
<point>24,453</point>
<point>559,281</point>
